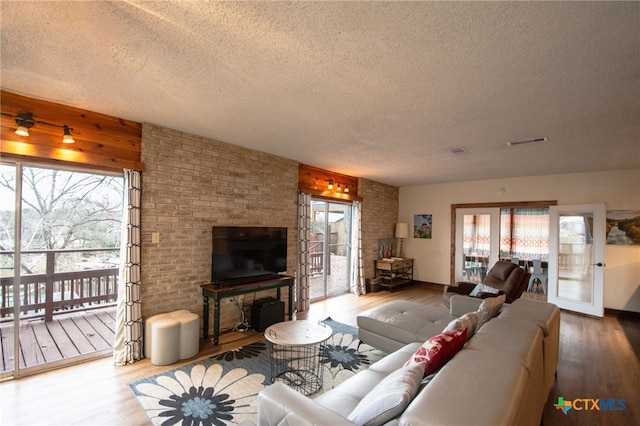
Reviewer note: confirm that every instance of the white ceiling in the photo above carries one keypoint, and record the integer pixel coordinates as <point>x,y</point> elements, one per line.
<point>371,89</point>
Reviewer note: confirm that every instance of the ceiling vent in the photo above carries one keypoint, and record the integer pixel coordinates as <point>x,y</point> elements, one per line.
<point>528,141</point>
<point>459,150</point>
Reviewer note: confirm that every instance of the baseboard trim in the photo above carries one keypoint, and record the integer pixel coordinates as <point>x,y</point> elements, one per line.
<point>427,284</point>
<point>622,314</point>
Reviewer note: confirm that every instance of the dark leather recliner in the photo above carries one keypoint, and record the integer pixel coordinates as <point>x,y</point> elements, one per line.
<point>508,278</point>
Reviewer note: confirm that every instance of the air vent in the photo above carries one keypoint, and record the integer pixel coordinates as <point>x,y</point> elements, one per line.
<point>528,141</point>
<point>459,150</point>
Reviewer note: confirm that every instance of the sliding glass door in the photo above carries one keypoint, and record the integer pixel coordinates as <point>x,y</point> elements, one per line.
<point>484,235</point>
<point>477,242</point>
<point>59,240</point>
<point>329,249</point>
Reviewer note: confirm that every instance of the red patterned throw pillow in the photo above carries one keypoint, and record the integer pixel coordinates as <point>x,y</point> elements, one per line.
<point>438,350</point>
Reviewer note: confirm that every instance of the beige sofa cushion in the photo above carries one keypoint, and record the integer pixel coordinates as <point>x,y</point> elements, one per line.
<point>490,308</point>
<point>344,398</point>
<point>393,325</point>
<point>469,321</point>
<point>389,398</point>
<point>475,388</point>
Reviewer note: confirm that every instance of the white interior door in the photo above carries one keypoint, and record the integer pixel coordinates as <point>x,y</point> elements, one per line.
<point>477,242</point>
<point>576,241</point>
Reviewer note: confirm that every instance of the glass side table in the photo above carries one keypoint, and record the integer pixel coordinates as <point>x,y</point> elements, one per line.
<point>295,353</point>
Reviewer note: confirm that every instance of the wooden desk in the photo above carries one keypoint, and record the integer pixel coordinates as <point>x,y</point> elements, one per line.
<point>209,290</point>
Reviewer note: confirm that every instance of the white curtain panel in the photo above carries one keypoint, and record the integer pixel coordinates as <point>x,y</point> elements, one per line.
<point>358,286</point>
<point>127,347</point>
<point>304,233</point>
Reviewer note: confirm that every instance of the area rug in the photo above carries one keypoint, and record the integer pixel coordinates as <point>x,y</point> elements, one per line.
<point>223,389</point>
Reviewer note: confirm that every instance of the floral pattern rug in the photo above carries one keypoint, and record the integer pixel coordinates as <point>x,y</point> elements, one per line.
<point>223,389</point>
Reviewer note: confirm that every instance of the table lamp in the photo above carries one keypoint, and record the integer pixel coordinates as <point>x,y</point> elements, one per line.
<point>402,231</point>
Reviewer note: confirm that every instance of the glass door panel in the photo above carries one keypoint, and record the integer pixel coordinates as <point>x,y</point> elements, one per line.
<point>329,249</point>
<point>8,337</point>
<point>577,242</point>
<point>59,239</point>
<point>477,243</point>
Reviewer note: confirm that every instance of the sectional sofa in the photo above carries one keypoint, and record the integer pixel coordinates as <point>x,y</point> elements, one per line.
<point>501,376</point>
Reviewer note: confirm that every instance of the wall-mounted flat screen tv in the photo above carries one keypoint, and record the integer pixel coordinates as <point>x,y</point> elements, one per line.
<point>243,254</point>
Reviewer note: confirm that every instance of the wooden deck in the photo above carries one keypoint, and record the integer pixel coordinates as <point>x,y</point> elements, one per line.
<point>66,336</point>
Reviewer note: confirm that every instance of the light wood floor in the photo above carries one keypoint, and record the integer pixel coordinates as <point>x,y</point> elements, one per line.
<point>598,359</point>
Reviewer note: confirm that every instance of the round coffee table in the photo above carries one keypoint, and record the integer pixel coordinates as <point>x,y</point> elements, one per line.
<point>295,353</point>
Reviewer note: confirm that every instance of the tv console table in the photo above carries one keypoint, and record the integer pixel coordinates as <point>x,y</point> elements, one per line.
<point>210,290</point>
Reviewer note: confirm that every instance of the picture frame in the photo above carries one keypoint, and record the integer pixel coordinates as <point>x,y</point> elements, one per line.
<point>623,227</point>
<point>422,226</point>
<point>385,248</point>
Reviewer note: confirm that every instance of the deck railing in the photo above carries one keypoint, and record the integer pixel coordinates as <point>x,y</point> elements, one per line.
<point>51,292</point>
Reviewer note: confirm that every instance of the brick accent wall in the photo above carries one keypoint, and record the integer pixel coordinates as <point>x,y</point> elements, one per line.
<point>379,216</point>
<point>192,183</point>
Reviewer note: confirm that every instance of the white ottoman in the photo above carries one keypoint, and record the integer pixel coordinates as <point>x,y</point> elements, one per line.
<point>172,336</point>
<point>162,336</point>
<point>189,333</point>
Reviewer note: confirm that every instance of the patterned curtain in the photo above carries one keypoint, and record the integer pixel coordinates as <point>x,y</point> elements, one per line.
<point>358,286</point>
<point>304,234</point>
<point>477,234</point>
<point>127,347</point>
<point>525,233</point>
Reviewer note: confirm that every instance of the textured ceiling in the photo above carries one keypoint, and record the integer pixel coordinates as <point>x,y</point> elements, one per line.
<point>371,89</point>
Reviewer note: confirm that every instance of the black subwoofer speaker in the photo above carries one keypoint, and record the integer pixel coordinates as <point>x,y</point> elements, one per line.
<point>266,312</point>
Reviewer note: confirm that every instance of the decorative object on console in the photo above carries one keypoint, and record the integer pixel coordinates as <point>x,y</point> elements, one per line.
<point>422,225</point>
<point>402,231</point>
<point>438,350</point>
<point>385,248</point>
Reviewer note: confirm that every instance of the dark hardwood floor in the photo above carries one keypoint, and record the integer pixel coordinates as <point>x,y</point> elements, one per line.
<point>598,360</point>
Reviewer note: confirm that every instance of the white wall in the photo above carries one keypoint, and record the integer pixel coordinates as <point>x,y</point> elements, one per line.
<point>619,190</point>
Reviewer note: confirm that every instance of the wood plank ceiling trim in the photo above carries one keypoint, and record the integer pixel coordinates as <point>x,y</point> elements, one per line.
<point>102,142</point>
<point>315,181</point>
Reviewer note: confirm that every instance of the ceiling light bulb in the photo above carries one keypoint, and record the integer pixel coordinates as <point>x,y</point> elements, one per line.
<point>24,122</point>
<point>22,131</point>
<point>330,184</point>
<point>339,189</point>
<point>346,188</point>
<point>67,138</point>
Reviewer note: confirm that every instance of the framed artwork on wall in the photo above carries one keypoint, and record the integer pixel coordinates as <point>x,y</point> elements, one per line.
<point>623,227</point>
<point>422,224</point>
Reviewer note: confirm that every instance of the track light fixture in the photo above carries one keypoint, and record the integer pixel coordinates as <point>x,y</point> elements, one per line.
<point>25,121</point>
<point>339,186</point>
<point>67,138</point>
